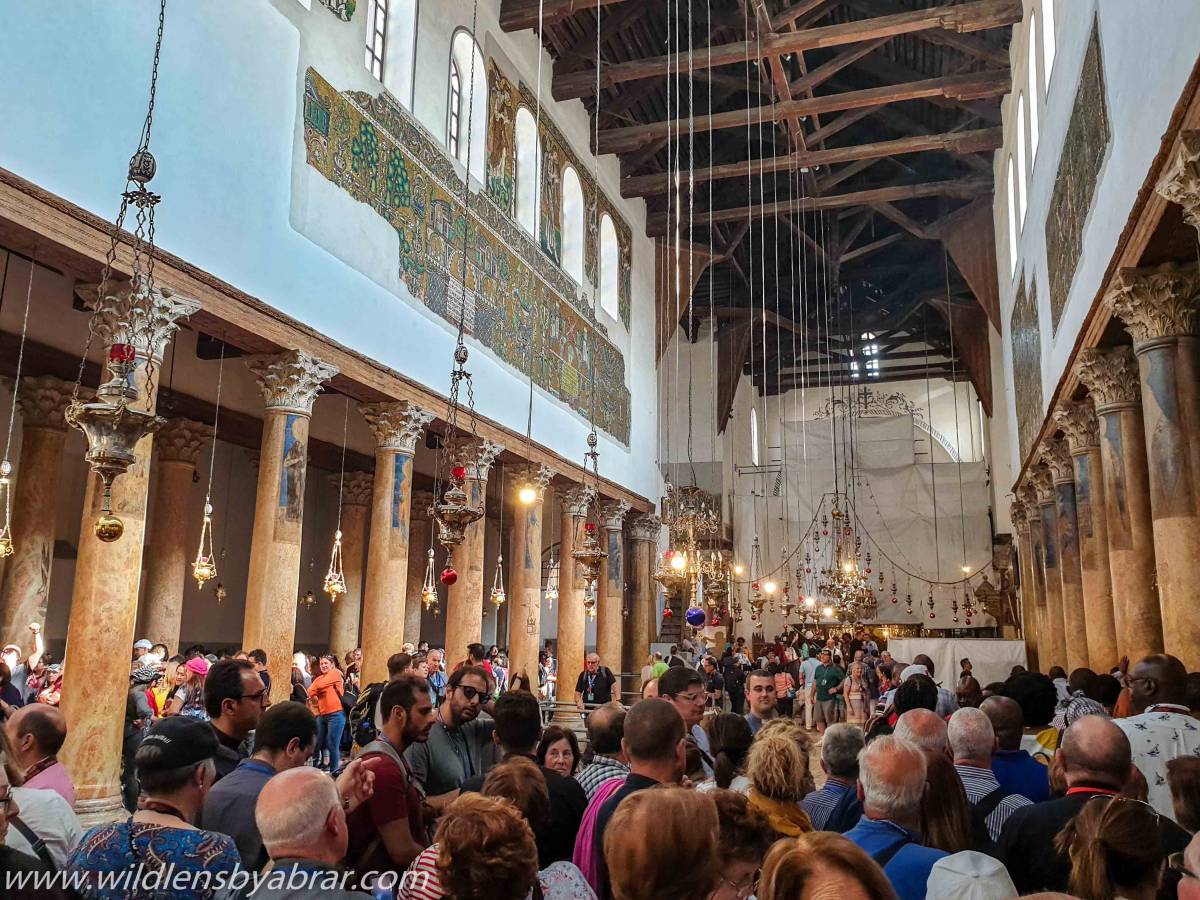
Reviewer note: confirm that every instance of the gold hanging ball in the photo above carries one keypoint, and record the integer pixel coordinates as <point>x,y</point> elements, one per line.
<point>109,528</point>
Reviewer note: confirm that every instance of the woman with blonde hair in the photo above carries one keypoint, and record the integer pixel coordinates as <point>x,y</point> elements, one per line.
<point>644,824</point>
<point>1114,850</point>
<point>779,780</point>
<point>189,696</point>
<point>821,864</point>
<point>855,690</point>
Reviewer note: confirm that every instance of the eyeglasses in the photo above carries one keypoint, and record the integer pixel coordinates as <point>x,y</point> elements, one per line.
<point>6,799</point>
<point>694,697</point>
<point>258,695</point>
<point>1176,863</point>
<point>745,887</point>
<point>469,692</point>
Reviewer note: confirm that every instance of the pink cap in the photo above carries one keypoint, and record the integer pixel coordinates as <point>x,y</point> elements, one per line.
<point>199,665</point>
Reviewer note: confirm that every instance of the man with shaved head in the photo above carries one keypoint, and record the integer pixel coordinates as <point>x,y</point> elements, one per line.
<point>1014,768</point>
<point>924,728</point>
<point>35,735</point>
<point>1096,762</point>
<point>606,730</point>
<point>1161,727</point>
<point>972,742</point>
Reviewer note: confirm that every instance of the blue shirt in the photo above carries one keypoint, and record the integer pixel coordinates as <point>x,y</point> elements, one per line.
<point>908,869</point>
<point>1020,773</point>
<point>755,722</point>
<point>821,802</point>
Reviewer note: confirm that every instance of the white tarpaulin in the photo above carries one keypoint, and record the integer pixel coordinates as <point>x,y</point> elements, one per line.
<point>991,660</point>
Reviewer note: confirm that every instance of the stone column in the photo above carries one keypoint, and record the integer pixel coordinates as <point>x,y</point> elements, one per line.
<point>1029,630</point>
<point>104,599</point>
<point>42,400</point>
<point>1027,494</point>
<point>1062,472</point>
<point>1158,307</point>
<point>290,383</point>
<point>419,535</point>
<point>347,609</point>
<point>1056,640</point>
<point>644,532</point>
<point>611,587</point>
<point>1112,378</point>
<point>464,599</point>
<point>525,572</point>
<point>571,616</point>
<point>397,427</point>
<point>1078,422</point>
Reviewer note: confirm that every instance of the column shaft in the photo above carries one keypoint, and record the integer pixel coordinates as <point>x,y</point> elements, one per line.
<point>1028,601</point>
<point>1056,643</point>
<point>571,615</point>
<point>1062,473</point>
<point>644,533</point>
<point>419,535</point>
<point>346,615</point>
<point>525,574</point>
<point>611,597</point>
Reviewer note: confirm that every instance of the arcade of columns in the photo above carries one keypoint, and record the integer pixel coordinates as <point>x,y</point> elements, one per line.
<point>383,521</point>
<point>1108,518</point>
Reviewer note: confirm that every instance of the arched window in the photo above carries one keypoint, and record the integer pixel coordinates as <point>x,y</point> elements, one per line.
<point>572,224</point>
<point>377,23</point>
<point>1033,90</point>
<point>753,436</point>
<point>1047,40</point>
<point>1022,168</point>
<point>529,171</point>
<point>610,268</point>
<point>468,106</point>
<point>400,65</point>
<point>1012,215</point>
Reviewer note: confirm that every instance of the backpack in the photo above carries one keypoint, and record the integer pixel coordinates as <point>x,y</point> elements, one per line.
<point>362,716</point>
<point>979,813</point>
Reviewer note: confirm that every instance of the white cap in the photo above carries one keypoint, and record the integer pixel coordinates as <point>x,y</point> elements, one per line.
<point>969,876</point>
<point>808,635</point>
<point>910,671</point>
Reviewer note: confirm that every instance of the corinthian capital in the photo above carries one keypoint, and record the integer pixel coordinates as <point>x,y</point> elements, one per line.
<point>645,528</point>
<point>612,514</point>
<point>1057,460</point>
<point>356,487</point>
<point>1079,423</point>
<point>131,313</point>
<point>290,381</point>
<point>1181,182</point>
<point>1019,513</point>
<point>533,475</point>
<point>1043,483</point>
<point>1111,375</point>
<point>180,440</point>
<point>397,426</point>
<point>577,498</point>
<point>476,455</point>
<point>1156,302</point>
<point>42,399</point>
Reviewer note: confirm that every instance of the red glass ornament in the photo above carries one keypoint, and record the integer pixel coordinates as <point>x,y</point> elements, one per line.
<point>715,622</point>
<point>932,616</point>
<point>458,473</point>
<point>121,352</point>
<point>448,576</point>
<point>825,531</point>
<point>667,612</point>
<point>894,600</point>
<point>868,571</point>
<point>754,586</point>
<point>589,527</point>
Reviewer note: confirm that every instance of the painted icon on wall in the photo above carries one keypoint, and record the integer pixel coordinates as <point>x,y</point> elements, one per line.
<point>291,476</point>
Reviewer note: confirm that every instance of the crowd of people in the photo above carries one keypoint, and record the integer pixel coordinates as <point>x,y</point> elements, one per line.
<point>814,767</point>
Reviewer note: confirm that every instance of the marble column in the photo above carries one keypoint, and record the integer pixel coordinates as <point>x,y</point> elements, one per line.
<point>1056,639</point>
<point>1112,378</point>
<point>1029,632</point>
<point>644,532</point>
<point>525,573</point>
<point>1027,494</point>
<point>397,427</point>
<point>104,599</point>
<point>290,383</point>
<point>464,599</point>
<point>420,533</point>
<point>1159,308</point>
<point>347,609</point>
<point>610,599</point>
<point>26,586</point>
<point>1057,460</point>
<point>572,620</point>
<point>1078,422</point>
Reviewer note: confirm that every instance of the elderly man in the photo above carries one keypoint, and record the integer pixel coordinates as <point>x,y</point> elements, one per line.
<point>891,783</point>
<point>35,735</point>
<point>1014,768</point>
<point>1161,727</point>
<point>436,659</point>
<point>839,761</point>
<point>925,729</point>
<point>595,683</point>
<point>605,730</point>
<point>972,743</point>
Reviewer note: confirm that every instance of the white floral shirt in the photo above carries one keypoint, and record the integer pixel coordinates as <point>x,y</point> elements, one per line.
<point>1158,735</point>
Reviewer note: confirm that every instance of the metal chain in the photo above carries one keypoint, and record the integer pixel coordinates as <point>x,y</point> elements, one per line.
<point>12,412</point>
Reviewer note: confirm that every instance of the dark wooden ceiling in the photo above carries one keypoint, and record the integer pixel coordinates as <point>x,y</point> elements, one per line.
<point>840,152</point>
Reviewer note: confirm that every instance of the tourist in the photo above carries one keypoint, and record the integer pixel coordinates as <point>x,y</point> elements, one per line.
<point>643,826</point>
<point>969,875</point>
<point>777,768</point>
<point>891,785</point>
<point>946,821</point>
<point>388,830</point>
<point>648,669</point>
<point>968,692</point>
<point>744,837</point>
<point>673,659</point>
<point>435,659</point>
<point>558,750</point>
<point>44,826</point>
<point>821,865</point>
<point>175,768</point>
<point>714,684</point>
<point>189,696</point>
<point>139,718</point>
<point>259,658</point>
<point>650,688</point>
<point>21,663</point>
<point>1037,697</point>
<point>972,742</point>
<point>1160,727</point>
<point>1183,779</point>
<point>729,739</point>
<point>326,693</point>
<point>924,728</point>
<point>595,683</point>
<point>1014,768</point>
<point>966,670</point>
<point>734,684</point>
<point>605,729</point>
<point>828,679</point>
<point>459,744</point>
<point>947,703</point>
<point>839,761</point>
<point>761,696</point>
<point>855,695</point>
<point>300,664</point>
<point>1113,850</point>
<point>476,657</point>
<point>1058,677</point>
<point>1185,866</point>
<point>233,698</point>
<point>16,863</point>
<point>684,687</point>
<point>808,671</point>
<point>36,733</point>
<point>785,685</point>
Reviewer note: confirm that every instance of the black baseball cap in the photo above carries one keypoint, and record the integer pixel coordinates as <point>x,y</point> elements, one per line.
<point>182,741</point>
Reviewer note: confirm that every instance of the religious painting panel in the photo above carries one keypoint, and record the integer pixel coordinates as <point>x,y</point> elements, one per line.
<point>1026,340</point>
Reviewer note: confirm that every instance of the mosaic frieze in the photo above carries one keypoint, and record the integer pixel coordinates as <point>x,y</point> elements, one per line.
<point>343,9</point>
<point>1027,366</point>
<point>511,299</point>
<point>501,140</point>
<point>1083,153</point>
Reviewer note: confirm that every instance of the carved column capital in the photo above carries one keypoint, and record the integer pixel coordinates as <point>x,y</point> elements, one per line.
<point>43,399</point>
<point>396,426</point>
<point>476,455</point>
<point>645,527</point>
<point>612,514</point>
<point>1057,460</point>
<point>1019,513</point>
<point>128,313</point>
<point>1181,181</point>
<point>1027,495</point>
<point>1156,302</point>
<point>576,499</point>
<point>1111,376</point>
<point>1043,483</point>
<point>422,501</point>
<point>180,440</point>
<point>356,487</point>
<point>534,475</point>
<point>290,381</point>
<point>1079,423</point>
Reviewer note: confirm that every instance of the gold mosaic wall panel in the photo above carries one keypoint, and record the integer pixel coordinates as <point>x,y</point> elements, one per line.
<point>1027,366</point>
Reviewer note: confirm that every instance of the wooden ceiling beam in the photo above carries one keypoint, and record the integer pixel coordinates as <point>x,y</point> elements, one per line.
<point>973,47</point>
<point>977,15</point>
<point>888,211</point>
<point>868,249</point>
<point>517,15</point>
<point>825,71</point>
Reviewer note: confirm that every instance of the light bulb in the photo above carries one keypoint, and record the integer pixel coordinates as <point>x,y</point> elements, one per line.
<point>810,602</point>
<point>966,569</point>
<point>527,494</point>
<point>769,587</point>
<point>739,569</point>
<point>849,567</point>
<point>678,562</point>
<point>827,612</point>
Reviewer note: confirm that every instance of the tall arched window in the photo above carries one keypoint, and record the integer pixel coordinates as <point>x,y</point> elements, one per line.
<point>400,66</point>
<point>1033,90</point>
<point>468,105</point>
<point>610,268</point>
<point>753,436</point>
<point>1012,215</point>
<point>1022,167</point>
<point>529,171</point>
<point>1047,40</point>
<point>377,24</point>
<point>572,224</point>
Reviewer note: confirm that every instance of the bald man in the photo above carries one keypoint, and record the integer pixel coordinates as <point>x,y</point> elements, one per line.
<point>1096,762</point>
<point>35,735</point>
<point>606,730</point>
<point>1162,727</point>
<point>1014,768</point>
<point>924,728</point>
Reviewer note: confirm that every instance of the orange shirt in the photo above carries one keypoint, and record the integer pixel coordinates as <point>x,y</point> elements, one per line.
<point>328,690</point>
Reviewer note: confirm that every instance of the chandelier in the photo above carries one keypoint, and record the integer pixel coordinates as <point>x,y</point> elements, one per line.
<point>589,555</point>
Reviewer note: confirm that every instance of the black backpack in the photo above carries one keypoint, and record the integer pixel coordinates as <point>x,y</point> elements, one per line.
<point>362,716</point>
<point>979,812</point>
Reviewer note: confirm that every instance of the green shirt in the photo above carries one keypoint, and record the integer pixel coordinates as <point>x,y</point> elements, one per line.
<point>828,679</point>
<point>659,668</point>
<point>451,756</point>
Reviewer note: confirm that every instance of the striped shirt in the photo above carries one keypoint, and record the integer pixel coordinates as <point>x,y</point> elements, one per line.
<point>821,802</point>
<point>598,771</point>
<point>978,783</point>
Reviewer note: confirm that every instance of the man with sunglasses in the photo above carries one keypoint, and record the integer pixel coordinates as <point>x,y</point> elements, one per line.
<point>234,695</point>
<point>459,745</point>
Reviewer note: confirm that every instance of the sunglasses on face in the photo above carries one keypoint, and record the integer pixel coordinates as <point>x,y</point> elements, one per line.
<point>469,692</point>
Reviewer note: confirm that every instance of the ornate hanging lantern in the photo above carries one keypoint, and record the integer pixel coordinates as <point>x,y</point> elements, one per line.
<point>429,594</point>
<point>590,555</point>
<point>552,581</point>
<point>204,568</point>
<point>6,543</point>
<point>452,512</point>
<point>219,592</point>
<point>335,578</point>
<point>308,601</point>
<point>498,596</point>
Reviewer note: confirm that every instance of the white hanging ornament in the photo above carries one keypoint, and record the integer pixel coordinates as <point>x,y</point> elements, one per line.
<point>335,579</point>
<point>429,595</point>
<point>6,543</point>
<point>498,595</point>
<point>204,568</point>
